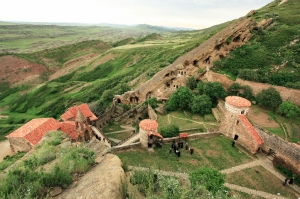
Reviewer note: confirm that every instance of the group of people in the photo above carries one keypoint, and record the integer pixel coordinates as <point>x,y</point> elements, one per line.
<point>291,181</point>
<point>177,145</point>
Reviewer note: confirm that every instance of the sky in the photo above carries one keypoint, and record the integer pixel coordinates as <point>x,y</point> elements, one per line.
<point>195,14</point>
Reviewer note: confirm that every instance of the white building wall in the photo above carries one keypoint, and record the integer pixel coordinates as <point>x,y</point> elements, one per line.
<point>236,110</point>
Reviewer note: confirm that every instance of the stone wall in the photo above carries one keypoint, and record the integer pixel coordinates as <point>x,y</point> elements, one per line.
<point>288,153</point>
<point>19,144</point>
<point>193,136</point>
<point>105,118</point>
<point>127,147</point>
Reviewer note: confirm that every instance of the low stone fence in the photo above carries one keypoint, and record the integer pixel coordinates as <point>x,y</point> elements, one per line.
<point>132,135</point>
<point>192,136</point>
<point>287,154</point>
<point>125,147</point>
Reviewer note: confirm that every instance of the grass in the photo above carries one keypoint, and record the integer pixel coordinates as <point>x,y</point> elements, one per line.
<point>187,120</point>
<point>9,160</point>
<point>215,152</point>
<point>277,131</point>
<point>259,178</point>
<point>242,195</point>
<point>120,136</point>
<point>31,178</point>
<point>112,127</point>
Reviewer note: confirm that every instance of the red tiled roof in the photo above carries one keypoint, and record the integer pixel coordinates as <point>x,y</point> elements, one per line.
<point>251,129</point>
<point>183,135</point>
<point>148,125</point>
<point>237,101</point>
<point>69,127</point>
<point>155,134</point>
<point>71,113</point>
<point>34,130</point>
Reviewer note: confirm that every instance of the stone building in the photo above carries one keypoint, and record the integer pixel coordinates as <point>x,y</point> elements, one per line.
<point>77,121</point>
<point>148,133</point>
<point>235,124</point>
<point>29,135</point>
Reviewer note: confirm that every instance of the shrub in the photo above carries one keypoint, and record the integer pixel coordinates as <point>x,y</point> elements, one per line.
<point>289,109</point>
<point>191,83</point>
<point>234,88</point>
<point>269,98</point>
<point>171,130</point>
<point>152,102</point>
<point>9,160</point>
<point>211,179</point>
<point>201,104</point>
<point>180,99</point>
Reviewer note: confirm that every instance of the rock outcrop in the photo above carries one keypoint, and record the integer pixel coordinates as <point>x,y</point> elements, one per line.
<point>165,82</point>
<point>102,182</point>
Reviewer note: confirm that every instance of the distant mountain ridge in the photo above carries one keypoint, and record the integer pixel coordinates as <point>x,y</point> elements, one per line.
<point>95,24</point>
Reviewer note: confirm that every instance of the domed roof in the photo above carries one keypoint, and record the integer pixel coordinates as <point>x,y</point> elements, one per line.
<point>237,101</point>
<point>148,125</point>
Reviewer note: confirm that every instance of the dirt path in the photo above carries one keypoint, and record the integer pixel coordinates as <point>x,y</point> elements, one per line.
<point>262,161</point>
<point>5,150</point>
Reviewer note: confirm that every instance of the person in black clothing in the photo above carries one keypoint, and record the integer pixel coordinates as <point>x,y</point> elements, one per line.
<point>233,143</point>
<point>291,180</point>
<point>285,181</point>
<point>191,151</point>
<point>186,146</point>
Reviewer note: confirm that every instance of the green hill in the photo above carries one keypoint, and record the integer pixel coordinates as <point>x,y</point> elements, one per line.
<point>272,55</point>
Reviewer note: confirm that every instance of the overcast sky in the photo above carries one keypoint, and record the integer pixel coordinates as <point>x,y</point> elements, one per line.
<point>195,14</point>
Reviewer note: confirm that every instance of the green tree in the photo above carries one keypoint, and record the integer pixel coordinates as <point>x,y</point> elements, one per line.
<point>108,95</point>
<point>201,104</point>
<point>122,88</point>
<point>248,92</point>
<point>180,99</point>
<point>171,130</point>
<point>269,98</point>
<point>152,102</point>
<point>214,90</point>
<point>211,179</point>
<point>191,83</point>
<point>289,109</point>
<point>234,88</point>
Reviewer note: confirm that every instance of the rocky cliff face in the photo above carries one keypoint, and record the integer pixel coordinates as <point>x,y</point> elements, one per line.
<point>103,181</point>
<point>165,82</point>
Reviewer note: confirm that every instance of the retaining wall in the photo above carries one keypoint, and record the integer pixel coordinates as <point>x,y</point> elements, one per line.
<point>287,153</point>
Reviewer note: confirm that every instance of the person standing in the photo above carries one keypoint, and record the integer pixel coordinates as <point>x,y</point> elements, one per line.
<point>285,181</point>
<point>291,180</point>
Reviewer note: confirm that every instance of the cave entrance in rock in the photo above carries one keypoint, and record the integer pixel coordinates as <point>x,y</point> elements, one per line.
<point>195,62</point>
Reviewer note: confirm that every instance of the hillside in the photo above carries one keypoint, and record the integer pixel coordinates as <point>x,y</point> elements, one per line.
<point>94,71</point>
<point>25,38</point>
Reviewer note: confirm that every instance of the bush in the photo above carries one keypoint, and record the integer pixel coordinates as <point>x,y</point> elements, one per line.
<point>171,130</point>
<point>211,179</point>
<point>9,160</point>
<point>152,102</point>
<point>289,109</point>
<point>269,98</point>
<point>201,104</point>
<point>191,83</point>
<point>180,99</point>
